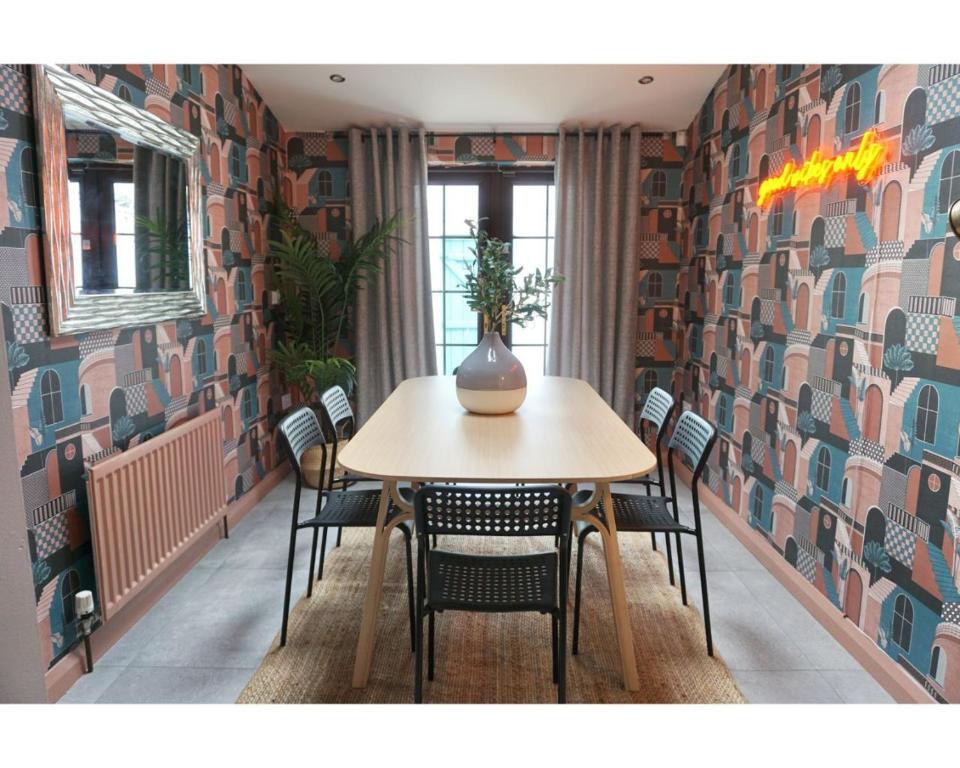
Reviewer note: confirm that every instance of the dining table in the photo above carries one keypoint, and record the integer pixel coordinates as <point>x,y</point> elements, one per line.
<point>563,433</point>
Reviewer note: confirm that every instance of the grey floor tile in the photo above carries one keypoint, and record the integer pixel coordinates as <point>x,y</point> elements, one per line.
<point>794,687</point>
<point>857,686</point>
<point>91,686</point>
<point>176,686</point>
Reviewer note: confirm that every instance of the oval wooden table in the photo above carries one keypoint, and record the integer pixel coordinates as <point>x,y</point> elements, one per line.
<point>563,433</point>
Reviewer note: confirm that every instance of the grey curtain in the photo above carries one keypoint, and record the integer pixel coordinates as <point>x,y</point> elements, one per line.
<point>395,340</point>
<point>160,195</point>
<point>593,327</point>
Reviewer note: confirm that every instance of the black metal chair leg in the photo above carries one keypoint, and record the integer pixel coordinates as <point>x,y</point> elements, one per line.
<point>562,652</point>
<point>703,587</point>
<point>683,578</point>
<point>418,653</point>
<point>313,562</point>
<point>323,554</point>
<point>653,540</point>
<point>286,591</point>
<point>554,649</point>
<point>430,635</point>
<point>576,596</point>
<point>339,535</point>
<point>666,537</point>
<point>434,541</point>
<point>413,618</point>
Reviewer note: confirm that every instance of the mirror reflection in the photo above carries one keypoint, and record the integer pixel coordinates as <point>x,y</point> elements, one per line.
<point>128,215</point>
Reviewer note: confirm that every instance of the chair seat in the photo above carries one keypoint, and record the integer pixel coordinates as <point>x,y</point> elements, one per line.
<point>639,513</point>
<point>351,509</point>
<point>494,584</point>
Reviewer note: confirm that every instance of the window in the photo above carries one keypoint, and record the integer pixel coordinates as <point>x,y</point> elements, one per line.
<point>188,74</point>
<point>246,405</point>
<point>903,622</point>
<point>518,209</point>
<point>68,591</point>
<point>757,506</point>
<point>51,399</point>
<point>851,112</point>
<point>879,108</point>
<point>241,286</point>
<point>722,411</point>
<point>655,285</point>
<point>28,177</point>
<point>649,381</point>
<point>776,218</point>
<point>938,665</point>
<point>845,492</point>
<point>735,160</point>
<point>235,164</point>
<point>84,399</point>
<point>768,363</point>
<point>324,184</point>
<point>838,296</point>
<point>823,469</point>
<point>202,357</point>
<point>863,308</point>
<point>949,181</point>
<point>658,184</point>
<point>728,290</point>
<point>928,406</point>
<point>124,93</point>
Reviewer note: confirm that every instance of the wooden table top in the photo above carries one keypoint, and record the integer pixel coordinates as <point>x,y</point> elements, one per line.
<point>563,432</point>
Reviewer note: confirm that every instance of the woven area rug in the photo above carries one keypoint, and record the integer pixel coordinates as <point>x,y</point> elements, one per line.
<point>492,658</point>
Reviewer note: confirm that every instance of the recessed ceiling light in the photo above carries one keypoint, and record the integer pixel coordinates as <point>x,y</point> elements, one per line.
<point>338,78</point>
<point>645,80</point>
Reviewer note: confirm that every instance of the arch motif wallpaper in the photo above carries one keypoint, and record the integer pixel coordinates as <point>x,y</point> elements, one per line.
<point>77,398</point>
<point>822,334</point>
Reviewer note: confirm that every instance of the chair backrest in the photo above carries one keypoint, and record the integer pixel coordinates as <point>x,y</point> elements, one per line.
<point>693,437</point>
<point>337,409</point>
<point>298,431</point>
<point>530,510</point>
<point>657,409</point>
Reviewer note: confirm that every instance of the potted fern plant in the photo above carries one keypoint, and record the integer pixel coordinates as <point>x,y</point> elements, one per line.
<point>319,296</point>
<point>491,380</point>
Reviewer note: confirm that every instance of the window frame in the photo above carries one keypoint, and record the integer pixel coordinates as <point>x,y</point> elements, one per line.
<point>769,364</point>
<point>838,295</point>
<point>51,397</point>
<point>901,626</point>
<point>824,467</point>
<point>851,108</point>
<point>929,411</point>
<point>658,183</point>
<point>952,181</point>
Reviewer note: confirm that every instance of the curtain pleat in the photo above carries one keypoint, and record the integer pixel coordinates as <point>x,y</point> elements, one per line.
<point>394,328</point>
<point>594,317</point>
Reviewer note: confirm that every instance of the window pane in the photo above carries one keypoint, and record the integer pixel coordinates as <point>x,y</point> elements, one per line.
<point>435,209</point>
<point>533,333</point>
<point>126,262</point>
<point>531,254</point>
<point>551,210</point>
<point>123,207</point>
<point>458,257</point>
<point>462,202</point>
<point>438,318</point>
<point>436,263</point>
<point>461,323</point>
<point>529,210</point>
<point>533,359</point>
<point>455,356</point>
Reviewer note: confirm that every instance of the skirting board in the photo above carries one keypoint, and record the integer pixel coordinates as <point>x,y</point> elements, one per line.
<point>903,688</point>
<point>71,667</point>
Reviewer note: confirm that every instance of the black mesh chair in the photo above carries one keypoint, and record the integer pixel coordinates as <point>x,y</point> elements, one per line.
<point>451,581</point>
<point>693,438</point>
<point>335,509</point>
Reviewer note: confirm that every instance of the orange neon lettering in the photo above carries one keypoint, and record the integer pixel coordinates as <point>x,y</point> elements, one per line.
<point>864,162</point>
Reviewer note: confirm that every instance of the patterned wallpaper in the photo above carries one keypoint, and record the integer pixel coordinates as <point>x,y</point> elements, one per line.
<point>822,335</point>
<point>79,397</point>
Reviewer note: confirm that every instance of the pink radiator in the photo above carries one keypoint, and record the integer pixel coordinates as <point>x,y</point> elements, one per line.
<point>149,502</point>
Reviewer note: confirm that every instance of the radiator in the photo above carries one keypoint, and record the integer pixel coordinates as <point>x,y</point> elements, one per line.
<point>149,502</point>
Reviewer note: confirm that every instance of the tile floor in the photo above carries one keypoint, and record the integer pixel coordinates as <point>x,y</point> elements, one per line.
<point>203,640</point>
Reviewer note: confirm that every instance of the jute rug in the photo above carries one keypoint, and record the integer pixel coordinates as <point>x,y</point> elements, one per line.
<point>492,658</point>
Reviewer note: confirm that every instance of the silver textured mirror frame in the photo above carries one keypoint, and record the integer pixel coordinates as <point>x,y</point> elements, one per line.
<point>57,93</point>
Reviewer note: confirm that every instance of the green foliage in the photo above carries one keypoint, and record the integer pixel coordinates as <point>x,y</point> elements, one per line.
<point>875,556</point>
<point>161,252</point>
<point>494,290</point>
<point>319,297</point>
<point>897,359</point>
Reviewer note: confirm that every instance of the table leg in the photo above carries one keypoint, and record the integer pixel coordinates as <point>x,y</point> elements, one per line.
<point>618,594</point>
<point>378,563</point>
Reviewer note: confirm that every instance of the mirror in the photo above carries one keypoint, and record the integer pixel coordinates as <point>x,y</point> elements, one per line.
<point>122,209</point>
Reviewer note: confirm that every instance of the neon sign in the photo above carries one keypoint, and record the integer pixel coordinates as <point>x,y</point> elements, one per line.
<point>864,162</point>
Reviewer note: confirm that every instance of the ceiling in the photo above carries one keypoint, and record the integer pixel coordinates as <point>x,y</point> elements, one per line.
<point>483,97</point>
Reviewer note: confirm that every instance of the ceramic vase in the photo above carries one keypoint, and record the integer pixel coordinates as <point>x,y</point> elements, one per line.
<point>491,380</point>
